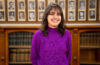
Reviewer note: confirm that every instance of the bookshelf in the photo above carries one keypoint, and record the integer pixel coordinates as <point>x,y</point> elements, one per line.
<point>83,51</point>
<point>18,46</point>
<point>90,47</point>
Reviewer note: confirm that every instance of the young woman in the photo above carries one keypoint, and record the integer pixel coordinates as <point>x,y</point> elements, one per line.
<point>51,45</point>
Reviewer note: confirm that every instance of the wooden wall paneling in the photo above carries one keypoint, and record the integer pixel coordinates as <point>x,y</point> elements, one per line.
<point>6,45</point>
<point>86,10</point>
<point>2,47</point>
<point>99,9</point>
<point>75,48</point>
<point>71,32</point>
<point>76,11</point>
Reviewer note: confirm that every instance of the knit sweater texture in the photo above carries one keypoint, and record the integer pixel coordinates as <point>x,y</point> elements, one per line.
<point>53,49</point>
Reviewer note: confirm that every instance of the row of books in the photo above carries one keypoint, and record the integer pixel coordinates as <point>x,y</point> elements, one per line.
<point>20,41</point>
<point>90,38</point>
<point>19,55</point>
<point>20,38</point>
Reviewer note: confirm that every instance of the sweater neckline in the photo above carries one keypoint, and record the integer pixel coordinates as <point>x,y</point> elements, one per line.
<point>52,29</point>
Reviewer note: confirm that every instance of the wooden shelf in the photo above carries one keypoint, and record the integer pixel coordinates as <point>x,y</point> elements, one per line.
<point>90,47</point>
<point>90,62</point>
<point>20,63</point>
<point>13,46</point>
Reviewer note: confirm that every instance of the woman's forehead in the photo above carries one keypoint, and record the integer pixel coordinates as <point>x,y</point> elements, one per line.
<point>55,10</point>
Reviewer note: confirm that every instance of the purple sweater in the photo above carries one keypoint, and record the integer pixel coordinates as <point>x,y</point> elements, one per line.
<point>53,49</point>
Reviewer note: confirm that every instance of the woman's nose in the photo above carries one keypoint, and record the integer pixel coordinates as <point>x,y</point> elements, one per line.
<point>55,16</point>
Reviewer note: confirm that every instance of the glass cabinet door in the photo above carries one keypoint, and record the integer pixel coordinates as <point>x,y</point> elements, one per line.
<point>19,45</point>
<point>90,48</point>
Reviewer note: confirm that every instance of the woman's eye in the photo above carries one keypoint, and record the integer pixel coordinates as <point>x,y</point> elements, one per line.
<point>58,14</point>
<point>51,13</point>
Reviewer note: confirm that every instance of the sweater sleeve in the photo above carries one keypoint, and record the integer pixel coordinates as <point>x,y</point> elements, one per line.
<point>34,49</point>
<point>69,47</point>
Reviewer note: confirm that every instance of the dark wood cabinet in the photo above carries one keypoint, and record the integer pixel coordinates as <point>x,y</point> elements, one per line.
<point>85,44</point>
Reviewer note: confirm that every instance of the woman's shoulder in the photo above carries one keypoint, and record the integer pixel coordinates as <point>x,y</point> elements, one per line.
<point>38,32</point>
<point>67,32</point>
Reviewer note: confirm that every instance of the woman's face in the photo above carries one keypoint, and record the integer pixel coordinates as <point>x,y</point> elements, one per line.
<point>54,18</point>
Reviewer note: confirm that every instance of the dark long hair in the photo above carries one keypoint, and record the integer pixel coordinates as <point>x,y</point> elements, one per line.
<point>44,26</point>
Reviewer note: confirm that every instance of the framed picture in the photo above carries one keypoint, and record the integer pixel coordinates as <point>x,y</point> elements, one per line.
<point>71,10</point>
<point>40,15</point>
<point>41,9</point>
<point>50,2</point>
<point>81,10</point>
<point>31,16</point>
<point>31,5</point>
<point>92,3</point>
<point>2,16</point>
<point>2,10</point>
<point>81,15</point>
<point>82,4</point>
<point>21,5</point>
<point>11,4</point>
<point>62,4</point>
<point>21,10</point>
<point>41,5</point>
<point>92,10</point>
<point>11,16</point>
<point>92,14</point>
<point>21,16</point>
<point>71,16</point>
<point>31,10</point>
<point>11,10</point>
<point>1,5</point>
<point>71,4</point>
